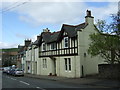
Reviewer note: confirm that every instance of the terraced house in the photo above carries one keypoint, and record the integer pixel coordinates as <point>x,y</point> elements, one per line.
<point>63,53</point>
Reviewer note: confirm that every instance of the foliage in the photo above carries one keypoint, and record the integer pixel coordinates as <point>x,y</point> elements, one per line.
<point>105,45</point>
<point>113,27</point>
<point>115,24</point>
<point>9,50</point>
<point>107,42</point>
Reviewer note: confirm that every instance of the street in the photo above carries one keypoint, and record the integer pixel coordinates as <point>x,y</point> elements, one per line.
<point>9,81</point>
<point>26,82</point>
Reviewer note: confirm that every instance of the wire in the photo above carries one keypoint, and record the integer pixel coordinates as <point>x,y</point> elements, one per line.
<point>9,6</point>
<point>12,7</point>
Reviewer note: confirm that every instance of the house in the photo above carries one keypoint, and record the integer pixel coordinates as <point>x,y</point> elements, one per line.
<point>21,57</point>
<point>63,53</point>
<point>32,57</point>
<point>9,56</point>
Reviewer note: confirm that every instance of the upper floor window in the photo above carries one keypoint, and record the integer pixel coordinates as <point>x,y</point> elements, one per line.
<point>66,42</point>
<point>53,46</point>
<point>43,47</point>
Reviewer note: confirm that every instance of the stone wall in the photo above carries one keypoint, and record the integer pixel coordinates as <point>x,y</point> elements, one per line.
<point>109,71</point>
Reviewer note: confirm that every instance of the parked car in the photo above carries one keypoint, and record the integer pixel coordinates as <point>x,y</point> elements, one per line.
<point>18,72</point>
<point>8,71</point>
<point>5,69</point>
<point>11,71</point>
<point>1,69</point>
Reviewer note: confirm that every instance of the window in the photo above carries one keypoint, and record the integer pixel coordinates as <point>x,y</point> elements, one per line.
<point>43,47</point>
<point>53,46</point>
<point>44,63</point>
<point>67,64</point>
<point>66,42</point>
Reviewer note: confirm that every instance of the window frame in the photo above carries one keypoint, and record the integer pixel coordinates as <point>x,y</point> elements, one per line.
<point>66,42</point>
<point>43,47</point>
<point>68,65</point>
<point>54,47</point>
<point>44,63</point>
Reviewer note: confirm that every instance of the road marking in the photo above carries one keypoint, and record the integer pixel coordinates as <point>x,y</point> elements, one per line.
<point>24,82</point>
<point>40,88</point>
<point>13,78</point>
<point>37,87</point>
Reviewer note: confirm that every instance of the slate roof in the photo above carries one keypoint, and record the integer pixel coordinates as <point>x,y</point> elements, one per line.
<point>49,37</point>
<point>54,37</point>
<point>36,42</point>
<point>71,30</point>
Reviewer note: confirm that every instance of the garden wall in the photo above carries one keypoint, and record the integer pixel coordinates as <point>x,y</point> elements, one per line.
<point>109,71</point>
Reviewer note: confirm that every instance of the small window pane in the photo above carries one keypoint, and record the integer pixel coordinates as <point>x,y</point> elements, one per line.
<point>65,63</point>
<point>66,42</point>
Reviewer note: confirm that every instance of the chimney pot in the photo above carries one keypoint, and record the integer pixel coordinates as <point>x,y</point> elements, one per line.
<point>88,13</point>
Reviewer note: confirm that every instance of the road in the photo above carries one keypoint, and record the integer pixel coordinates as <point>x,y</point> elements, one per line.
<point>27,82</point>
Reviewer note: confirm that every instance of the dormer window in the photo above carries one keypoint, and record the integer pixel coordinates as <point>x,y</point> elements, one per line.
<point>53,46</point>
<point>43,47</point>
<point>65,42</point>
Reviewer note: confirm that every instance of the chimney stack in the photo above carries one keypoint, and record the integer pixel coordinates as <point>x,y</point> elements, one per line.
<point>88,18</point>
<point>46,30</point>
<point>38,37</point>
<point>27,42</point>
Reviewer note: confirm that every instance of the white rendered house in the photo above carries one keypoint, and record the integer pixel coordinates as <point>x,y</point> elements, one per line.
<point>64,53</point>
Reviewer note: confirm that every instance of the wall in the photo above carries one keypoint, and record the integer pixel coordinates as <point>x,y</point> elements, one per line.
<point>75,67</point>
<point>88,64</point>
<point>109,71</point>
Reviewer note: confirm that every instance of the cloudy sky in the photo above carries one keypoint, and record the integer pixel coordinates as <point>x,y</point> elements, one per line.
<point>26,19</point>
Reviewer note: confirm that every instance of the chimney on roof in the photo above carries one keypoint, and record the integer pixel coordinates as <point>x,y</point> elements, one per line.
<point>88,18</point>
<point>46,30</point>
<point>38,37</point>
<point>88,13</point>
<point>27,42</point>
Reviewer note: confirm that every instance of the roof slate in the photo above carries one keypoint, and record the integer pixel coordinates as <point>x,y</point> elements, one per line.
<point>71,30</point>
<point>49,37</point>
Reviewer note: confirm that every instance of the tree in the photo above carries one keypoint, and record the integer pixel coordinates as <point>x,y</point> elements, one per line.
<point>105,45</point>
<point>115,24</point>
<point>107,42</point>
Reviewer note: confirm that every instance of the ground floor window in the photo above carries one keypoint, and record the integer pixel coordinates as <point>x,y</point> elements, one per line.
<point>44,63</point>
<point>67,64</point>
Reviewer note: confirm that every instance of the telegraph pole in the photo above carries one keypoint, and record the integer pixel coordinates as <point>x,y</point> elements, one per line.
<point>119,6</point>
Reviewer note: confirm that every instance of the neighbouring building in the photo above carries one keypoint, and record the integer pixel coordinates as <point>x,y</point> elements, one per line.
<point>22,54</point>
<point>9,56</point>
<point>63,53</point>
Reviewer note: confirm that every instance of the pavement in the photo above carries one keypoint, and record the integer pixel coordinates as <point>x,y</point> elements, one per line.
<point>91,80</point>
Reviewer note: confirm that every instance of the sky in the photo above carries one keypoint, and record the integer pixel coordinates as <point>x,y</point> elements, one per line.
<point>25,19</point>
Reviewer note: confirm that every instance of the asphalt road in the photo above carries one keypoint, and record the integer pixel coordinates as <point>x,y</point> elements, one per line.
<point>27,82</point>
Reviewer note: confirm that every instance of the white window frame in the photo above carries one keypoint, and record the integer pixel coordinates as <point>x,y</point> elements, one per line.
<point>43,47</point>
<point>44,63</point>
<point>66,42</point>
<point>54,46</point>
<point>68,66</point>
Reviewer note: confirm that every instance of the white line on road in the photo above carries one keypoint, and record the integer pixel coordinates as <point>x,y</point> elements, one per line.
<point>13,78</point>
<point>24,82</point>
<point>40,88</point>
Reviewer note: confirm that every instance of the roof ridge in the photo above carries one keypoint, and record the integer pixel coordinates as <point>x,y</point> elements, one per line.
<point>54,32</point>
<point>69,25</point>
<point>80,24</point>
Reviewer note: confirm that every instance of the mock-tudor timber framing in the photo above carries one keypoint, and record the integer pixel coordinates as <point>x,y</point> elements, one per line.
<point>60,50</point>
